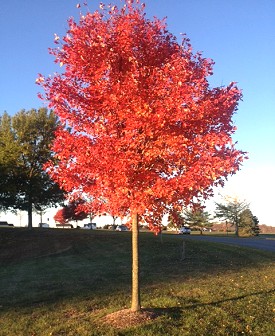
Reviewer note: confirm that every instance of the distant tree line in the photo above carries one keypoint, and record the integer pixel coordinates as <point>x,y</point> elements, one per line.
<point>234,212</point>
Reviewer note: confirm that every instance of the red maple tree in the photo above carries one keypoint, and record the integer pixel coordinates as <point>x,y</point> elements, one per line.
<point>142,131</point>
<point>72,211</point>
<point>60,217</point>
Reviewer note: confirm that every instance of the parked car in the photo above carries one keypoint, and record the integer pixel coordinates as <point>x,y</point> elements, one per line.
<point>122,228</point>
<point>184,230</point>
<point>64,226</point>
<point>5,224</point>
<point>43,225</point>
<point>207,229</point>
<point>89,226</point>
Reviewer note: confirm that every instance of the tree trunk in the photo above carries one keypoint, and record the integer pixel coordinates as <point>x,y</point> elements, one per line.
<point>30,213</point>
<point>114,222</point>
<point>135,265</point>
<point>237,228</point>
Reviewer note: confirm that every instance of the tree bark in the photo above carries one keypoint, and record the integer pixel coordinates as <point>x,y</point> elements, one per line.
<point>30,202</point>
<point>135,265</point>
<point>236,228</point>
<point>30,213</point>
<point>237,231</point>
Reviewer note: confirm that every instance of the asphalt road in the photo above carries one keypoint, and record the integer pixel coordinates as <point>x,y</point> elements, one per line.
<point>261,243</point>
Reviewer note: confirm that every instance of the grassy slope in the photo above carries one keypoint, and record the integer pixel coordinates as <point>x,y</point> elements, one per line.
<point>61,282</point>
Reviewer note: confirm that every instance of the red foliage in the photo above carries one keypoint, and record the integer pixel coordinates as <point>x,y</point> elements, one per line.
<point>69,212</point>
<point>74,212</point>
<point>142,130</point>
<point>59,217</point>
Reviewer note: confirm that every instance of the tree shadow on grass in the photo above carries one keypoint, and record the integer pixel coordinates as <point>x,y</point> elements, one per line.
<point>176,311</point>
<point>124,318</point>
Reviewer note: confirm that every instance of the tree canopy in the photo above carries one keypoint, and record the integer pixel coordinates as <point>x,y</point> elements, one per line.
<point>141,126</point>
<point>25,141</point>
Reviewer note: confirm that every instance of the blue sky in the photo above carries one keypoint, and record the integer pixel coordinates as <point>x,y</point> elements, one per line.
<point>239,35</point>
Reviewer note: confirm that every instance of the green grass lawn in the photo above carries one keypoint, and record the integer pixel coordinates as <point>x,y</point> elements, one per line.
<point>63,282</point>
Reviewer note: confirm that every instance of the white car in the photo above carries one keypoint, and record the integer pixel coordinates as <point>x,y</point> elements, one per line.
<point>43,225</point>
<point>122,228</point>
<point>184,230</point>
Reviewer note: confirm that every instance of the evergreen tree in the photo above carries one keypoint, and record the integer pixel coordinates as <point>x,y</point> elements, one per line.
<point>256,228</point>
<point>197,218</point>
<point>249,224</point>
